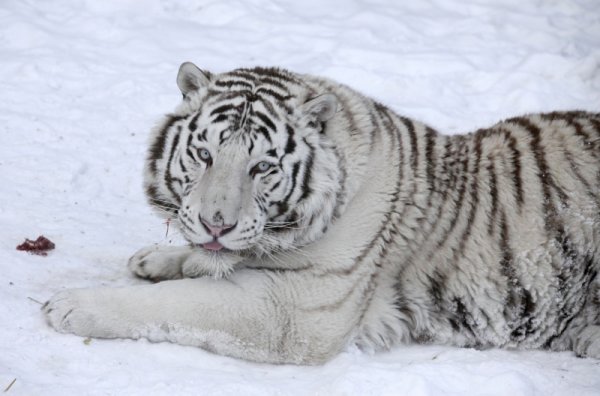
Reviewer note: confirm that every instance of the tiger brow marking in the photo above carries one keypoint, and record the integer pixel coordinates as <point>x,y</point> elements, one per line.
<point>193,122</point>
<point>281,99</point>
<point>222,109</point>
<point>268,106</point>
<point>220,118</point>
<point>247,74</point>
<point>266,120</point>
<point>274,82</point>
<point>263,131</point>
<point>233,83</point>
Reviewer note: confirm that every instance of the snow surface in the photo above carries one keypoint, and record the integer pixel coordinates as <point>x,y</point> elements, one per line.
<point>81,84</point>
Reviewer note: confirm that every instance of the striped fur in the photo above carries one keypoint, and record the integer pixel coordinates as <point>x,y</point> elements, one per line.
<point>367,226</point>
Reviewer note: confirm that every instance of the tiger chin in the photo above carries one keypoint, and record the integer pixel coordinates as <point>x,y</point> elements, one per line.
<point>317,218</point>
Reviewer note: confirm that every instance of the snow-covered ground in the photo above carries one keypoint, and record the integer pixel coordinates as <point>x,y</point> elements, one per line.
<point>81,84</point>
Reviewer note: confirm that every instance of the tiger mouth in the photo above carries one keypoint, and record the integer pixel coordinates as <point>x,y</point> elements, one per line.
<point>214,246</point>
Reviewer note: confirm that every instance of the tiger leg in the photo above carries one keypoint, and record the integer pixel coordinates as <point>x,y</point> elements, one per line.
<point>159,263</point>
<point>247,316</point>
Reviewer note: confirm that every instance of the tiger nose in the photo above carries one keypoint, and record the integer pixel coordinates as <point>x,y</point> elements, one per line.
<point>215,230</point>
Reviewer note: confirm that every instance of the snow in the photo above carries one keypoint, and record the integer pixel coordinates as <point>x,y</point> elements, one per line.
<point>81,84</point>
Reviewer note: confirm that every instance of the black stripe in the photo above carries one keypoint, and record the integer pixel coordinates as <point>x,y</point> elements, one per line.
<point>295,170</point>
<point>193,123</point>
<point>291,144</point>
<point>222,109</point>
<point>273,72</point>
<point>269,107</point>
<point>168,177</point>
<point>391,127</point>
<point>263,131</point>
<point>223,136</point>
<point>474,196</point>
<point>508,271</point>
<point>275,186</point>
<point>306,177</point>
<point>202,135</point>
<point>251,147</point>
<point>437,286</point>
<point>157,200</point>
<point>271,153</point>
<point>266,120</point>
<point>157,148</point>
<point>516,167</point>
<point>220,118</point>
<point>463,318</point>
<point>551,218</point>
<point>493,195</point>
<point>182,165</point>
<point>430,135</point>
<point>410,126</point>
<point>233,83</point>
<point>274,82</point>
<point>462,187</point>
<point>276,95</point>
<point>246,74</point>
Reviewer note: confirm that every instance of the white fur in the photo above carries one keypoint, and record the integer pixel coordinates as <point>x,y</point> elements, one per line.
<point>370,277</point>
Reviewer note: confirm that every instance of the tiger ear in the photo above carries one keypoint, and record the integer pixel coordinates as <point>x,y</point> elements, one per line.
<point>191,78</point>
<point>322,108</point>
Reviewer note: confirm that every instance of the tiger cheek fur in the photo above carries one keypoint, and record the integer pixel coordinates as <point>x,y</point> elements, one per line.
<point>361,226</point>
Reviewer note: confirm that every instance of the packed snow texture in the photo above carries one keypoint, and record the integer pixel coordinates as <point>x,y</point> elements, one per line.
<point>82,83</point>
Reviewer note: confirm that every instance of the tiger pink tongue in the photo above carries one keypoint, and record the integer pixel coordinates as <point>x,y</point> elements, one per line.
<point>214,245</point>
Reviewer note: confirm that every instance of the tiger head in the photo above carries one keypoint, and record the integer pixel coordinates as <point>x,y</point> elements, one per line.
<point>244,163</point>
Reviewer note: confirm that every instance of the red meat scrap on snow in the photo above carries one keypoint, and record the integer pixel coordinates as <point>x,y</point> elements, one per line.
<point>40,246</point>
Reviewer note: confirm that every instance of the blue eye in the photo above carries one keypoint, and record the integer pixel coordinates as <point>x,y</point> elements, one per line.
<point>261,167</point>
<point>204,155</point>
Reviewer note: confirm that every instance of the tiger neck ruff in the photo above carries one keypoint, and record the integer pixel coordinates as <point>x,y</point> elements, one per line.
<point>317,217</point>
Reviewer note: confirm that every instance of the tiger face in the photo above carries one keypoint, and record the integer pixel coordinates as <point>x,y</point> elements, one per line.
<point>246,164</point>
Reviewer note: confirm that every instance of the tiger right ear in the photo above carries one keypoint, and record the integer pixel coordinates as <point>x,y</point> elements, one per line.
<point>191,78</point>
<point>322,108</point>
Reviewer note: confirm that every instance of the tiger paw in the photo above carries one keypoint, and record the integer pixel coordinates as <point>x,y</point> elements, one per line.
<point>158,263</point>
<point>71,312</point>
<point>587,343</point>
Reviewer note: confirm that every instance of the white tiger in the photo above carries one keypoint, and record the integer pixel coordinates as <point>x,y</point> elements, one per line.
<point>317,217</point>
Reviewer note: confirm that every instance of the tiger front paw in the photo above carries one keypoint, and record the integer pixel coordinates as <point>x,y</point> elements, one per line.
<point>72,311</point>
<point>157,263</point>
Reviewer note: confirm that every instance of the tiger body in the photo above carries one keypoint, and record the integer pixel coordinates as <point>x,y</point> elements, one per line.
<point>318,217</point>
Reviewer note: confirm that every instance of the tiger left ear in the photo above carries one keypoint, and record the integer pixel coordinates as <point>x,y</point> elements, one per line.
<point>323,107</point>
<point>191,78</point>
